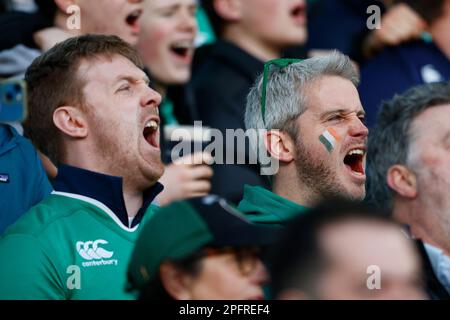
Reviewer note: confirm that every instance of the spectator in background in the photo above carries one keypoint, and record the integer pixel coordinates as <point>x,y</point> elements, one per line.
<point>92,112</point>
<point>409,173</point>
<point>345,251</point>
<point>201,249</point>
<point>348,22</point>
<point>166,45</point>
<point>26,35</point>
<point>110,17</point>
<point>403,66</point>
<point>250,32</point>
<point>338,25</point>
<point>313,126</point>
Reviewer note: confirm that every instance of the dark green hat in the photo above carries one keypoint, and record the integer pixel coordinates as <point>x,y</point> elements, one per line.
<point>184,227</point>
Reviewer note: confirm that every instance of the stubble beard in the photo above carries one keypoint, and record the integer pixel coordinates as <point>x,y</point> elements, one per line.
<point>315,175</point>
<point>119,159</point>
<point>435,203</point>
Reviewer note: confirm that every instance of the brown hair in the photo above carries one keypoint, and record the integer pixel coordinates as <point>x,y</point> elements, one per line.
<point>53,81</point>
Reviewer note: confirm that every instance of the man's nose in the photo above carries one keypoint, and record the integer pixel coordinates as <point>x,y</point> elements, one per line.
<point>150,98</point>
<point>358,129</point>
<point>260,274</point>
<point>187,23</point>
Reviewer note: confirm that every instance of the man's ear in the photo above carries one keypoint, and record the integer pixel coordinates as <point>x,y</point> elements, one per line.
<point>279,145</point>
<point>402,180</point>
<point>175,281</point>
<point>228,10</point>
<point>64,4</point>
<point>71,121</point>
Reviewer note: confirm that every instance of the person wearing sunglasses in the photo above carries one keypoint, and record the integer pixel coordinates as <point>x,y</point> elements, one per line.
<point>200,249</point>
<point>310,120</point>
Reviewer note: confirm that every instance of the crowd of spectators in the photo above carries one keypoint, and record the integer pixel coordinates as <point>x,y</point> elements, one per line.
<point>224,149</point>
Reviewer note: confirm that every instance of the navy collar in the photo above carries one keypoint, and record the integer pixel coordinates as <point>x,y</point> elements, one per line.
<point>104,188</point>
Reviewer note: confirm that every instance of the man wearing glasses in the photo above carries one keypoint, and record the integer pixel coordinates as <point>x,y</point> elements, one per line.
<point>310,119</point>
<point>200,249</point>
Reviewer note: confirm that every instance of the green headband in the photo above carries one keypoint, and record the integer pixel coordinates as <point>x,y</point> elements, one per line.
<point>281,63</point>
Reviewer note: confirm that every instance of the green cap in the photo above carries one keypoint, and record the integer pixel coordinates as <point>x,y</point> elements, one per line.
<point>184,227</point>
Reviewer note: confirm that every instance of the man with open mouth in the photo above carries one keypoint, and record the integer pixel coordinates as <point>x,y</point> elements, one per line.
<point>91,110</point>
<point>249,33</point>
<point>312,123</point>
<point>27,35</point>
<point>116,17</point>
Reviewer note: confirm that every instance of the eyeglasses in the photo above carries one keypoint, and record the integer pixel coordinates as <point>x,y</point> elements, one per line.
<point>280,63</point>
<point>246,258</point>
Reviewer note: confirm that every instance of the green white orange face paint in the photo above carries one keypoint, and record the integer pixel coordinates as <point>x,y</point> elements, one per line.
<point>329,139</point>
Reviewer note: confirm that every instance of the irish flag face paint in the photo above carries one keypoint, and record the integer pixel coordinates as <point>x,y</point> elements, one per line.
<point>329,138</point>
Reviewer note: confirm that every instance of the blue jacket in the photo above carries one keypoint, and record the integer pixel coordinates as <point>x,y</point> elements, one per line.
<point>23,182</point>
<point>397,69</point>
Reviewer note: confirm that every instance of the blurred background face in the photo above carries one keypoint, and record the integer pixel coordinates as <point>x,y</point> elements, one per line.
<point>352,247</point>
<point>228,276</point>
<point>111,17</point>
<point>430,158</point>
<point>166,40</point>
<point>278,23</point>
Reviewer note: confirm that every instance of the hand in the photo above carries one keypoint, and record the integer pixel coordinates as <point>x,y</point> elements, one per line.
<point>399,24</point>
<point>186,177</point>
<point>47,38</point>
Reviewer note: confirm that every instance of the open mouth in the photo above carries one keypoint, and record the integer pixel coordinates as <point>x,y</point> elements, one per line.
<point>182,49</point>
<point>354,160</point>
<point>133,18</point>
<point>150,133</point>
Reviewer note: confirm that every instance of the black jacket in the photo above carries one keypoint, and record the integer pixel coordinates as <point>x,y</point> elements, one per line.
<point>221,82</point>
<point>19,27</point>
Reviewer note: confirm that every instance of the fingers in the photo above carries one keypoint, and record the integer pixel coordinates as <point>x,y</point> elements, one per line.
<point>400,24</point>
<point>195,159</point>
<point>198,188</point>
<point>200,172</point>
<point>183,181</point>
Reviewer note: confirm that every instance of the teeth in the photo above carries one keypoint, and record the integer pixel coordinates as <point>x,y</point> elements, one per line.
<point>152,124</point>
<point>356,151</point>
<point>183,45</point>
<point>135,14</point>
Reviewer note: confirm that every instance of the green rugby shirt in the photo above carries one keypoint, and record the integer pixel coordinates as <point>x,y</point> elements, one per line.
<point>67,247</point>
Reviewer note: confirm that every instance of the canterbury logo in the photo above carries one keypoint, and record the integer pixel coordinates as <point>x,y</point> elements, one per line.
<point>90,250</point>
